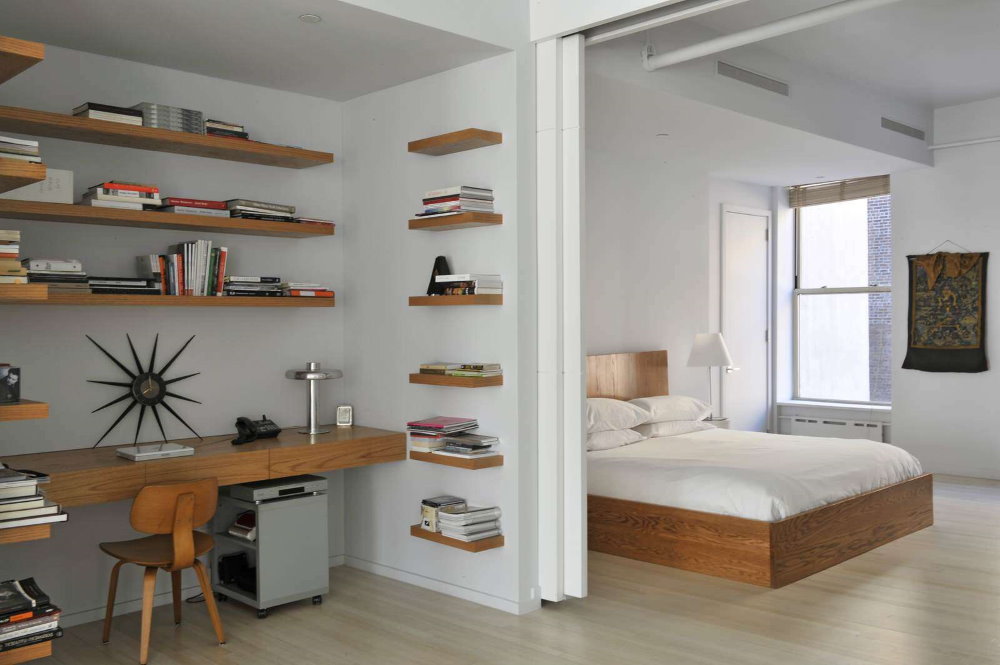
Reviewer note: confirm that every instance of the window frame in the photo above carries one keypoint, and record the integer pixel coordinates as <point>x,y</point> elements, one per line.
<point>796,294</point>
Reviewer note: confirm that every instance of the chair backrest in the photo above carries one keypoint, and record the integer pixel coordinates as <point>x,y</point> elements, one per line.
<point>176,508</point>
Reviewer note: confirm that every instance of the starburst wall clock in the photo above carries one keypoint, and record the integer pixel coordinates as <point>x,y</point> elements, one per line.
<point>146,387</point>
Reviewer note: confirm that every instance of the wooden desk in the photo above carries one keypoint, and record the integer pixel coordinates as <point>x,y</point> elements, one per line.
<point>98,475</point>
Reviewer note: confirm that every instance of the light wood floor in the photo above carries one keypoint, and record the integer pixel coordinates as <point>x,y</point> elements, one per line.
<point>932,598</point>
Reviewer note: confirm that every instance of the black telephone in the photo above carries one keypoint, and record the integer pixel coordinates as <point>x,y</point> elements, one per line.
<point>250,430</point>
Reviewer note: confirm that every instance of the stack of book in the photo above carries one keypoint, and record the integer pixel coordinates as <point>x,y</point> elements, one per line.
<point>251,209</point>
<point>193,207</point>
<point>27,616</point>
<point>62,275</point>
<point>227,129</point>
<point>110,113</point>
<point>307,289</point>
<point>455,200</point>
<point>468,523</point>
<point>22,149</point>
<point>430,508</point>
<point>462,369</point>
<point>21,502</point>
<point>468,284</point>
<point>11,270</point>
<point>173,118</point>
<point>429,434</point>
<point>315,220</point>
<point>125,195</point>
<point>134,286</point>
<point>192,268</point>
<point>259,286</point>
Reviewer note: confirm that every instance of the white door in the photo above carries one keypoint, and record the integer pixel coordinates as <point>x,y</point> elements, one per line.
<point>745,318</point>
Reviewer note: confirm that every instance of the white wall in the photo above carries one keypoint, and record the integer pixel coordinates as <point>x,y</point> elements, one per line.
<point>551,18</point>
<point>242,353</point>
<point>387,339</point>
<point>652,235</point>
<point>947,419</point>
<point>503,22</point>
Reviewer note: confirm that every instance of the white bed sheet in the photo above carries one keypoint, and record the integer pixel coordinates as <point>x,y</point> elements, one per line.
<point>752,475</point>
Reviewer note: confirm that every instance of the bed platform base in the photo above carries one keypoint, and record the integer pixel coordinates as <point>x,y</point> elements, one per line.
<point>770,554</point>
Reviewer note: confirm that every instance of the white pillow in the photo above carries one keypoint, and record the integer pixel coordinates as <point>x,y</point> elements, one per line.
<point>605,415</point>
<point>672,428</point>
<point>613,439</point>
<point>667,408</point>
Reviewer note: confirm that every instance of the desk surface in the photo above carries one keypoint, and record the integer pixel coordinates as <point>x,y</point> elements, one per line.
<point>98,475</point>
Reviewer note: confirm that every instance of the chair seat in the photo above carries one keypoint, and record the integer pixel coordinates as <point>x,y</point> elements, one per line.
<point>154,550</point>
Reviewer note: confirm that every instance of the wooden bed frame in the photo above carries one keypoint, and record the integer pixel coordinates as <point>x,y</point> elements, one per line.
<point>770,554</point>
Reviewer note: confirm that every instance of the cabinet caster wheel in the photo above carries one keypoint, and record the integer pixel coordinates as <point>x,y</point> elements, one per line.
<point>221,597</point>
<point>263,614</point>
<point>317,600</point>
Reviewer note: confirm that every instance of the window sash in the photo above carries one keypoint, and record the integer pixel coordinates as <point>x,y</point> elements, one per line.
<point>801,196</point>
<point>797,293</point>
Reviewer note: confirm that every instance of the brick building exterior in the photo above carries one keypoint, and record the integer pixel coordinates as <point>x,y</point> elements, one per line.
<point>880,304</point>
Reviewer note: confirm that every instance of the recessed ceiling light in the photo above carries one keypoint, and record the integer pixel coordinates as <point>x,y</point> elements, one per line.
<point>663,134</point>
<point>310,18</point>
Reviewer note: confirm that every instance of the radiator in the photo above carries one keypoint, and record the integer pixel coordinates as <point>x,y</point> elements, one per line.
<point>833,427</point>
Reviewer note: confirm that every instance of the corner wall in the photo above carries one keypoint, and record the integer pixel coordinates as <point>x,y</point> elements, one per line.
<point>387,263</point>
<point>242,353</point>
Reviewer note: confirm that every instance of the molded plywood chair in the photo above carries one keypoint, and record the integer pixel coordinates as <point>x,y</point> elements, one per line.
<point>171,512</point>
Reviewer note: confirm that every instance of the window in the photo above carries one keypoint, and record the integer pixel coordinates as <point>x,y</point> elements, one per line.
<point>843,301</point>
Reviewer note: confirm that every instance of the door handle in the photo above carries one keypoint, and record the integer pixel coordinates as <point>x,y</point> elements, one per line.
<point>730,370</point>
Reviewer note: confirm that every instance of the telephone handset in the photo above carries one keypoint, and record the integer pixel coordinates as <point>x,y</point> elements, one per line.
<point>250,430</point>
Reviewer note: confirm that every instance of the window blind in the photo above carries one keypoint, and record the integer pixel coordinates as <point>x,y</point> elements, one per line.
<point>800,196</point>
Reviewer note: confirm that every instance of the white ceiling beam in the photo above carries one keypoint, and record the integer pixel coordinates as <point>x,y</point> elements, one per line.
<point>654,19</point>
<point>783,26</point>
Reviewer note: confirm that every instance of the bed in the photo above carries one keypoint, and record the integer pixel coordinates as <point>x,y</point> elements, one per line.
<point>754,508</point>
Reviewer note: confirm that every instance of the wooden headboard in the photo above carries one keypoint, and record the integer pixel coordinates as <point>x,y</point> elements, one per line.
<point>627,376</point>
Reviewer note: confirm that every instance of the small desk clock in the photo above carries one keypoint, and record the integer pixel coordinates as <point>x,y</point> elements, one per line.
<point>345,415</point>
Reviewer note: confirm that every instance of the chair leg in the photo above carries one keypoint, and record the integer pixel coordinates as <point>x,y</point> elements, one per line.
<point>112,590</point>
<point>175,580</point>
<point>148,590</point>
<point>213,610</point>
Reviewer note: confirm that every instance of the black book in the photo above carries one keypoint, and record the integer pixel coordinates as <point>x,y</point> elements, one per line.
<point>106,108</point>
<point>26,615</point>
<point>127,290</point>
<point>255,294</point>
<point>16,596</point>
<point>226,132</point>
<point>441,267</point>
<point>266,218</point>
<point>28,640</point>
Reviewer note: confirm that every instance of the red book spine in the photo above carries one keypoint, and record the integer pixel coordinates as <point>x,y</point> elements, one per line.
<point>181,290</point>
<point>194,203</point>
<point>220,278</point>
<point>317,294</point>
<point>134,188</point>
<point>164,287</point>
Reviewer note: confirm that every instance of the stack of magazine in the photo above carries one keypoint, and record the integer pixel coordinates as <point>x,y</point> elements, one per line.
<point>468,523</point>
<point>27,616</point>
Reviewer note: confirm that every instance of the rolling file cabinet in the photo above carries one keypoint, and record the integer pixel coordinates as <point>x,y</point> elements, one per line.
<point>290,556</point>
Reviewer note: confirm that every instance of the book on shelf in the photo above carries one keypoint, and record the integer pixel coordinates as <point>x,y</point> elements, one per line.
<point>108,112</point>
<point>47,508</point>
<point>429,509</point>
<point>21,503</point>
<point>468,515</point>
<point>34,159</point>
<point>193,203</point>
<point>121,205</point>
<point>313,293</point>
<point>262,206</point>
<point>10,237</point>
<point>173,118</point>
<point>11,146</point>
<point>451,451</point>
<point>192,210</point>
<point>473,537</point>
<point>438,367</point>
<point>12,631</point>
<point>53,265</point>
<point>442,425</point>
<point>28,640</point>
<point>10,251</point>
<point>457,530</point>
<point>229,133</point>
<point>21,595</point>
<point>223,124</point>
<point>251,279</point>
<point>484,280</point>
<point>13,279</point>
<point>315,221</point>
<point>459,190</point>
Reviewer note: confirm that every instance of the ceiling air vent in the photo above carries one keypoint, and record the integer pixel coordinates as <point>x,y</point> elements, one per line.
<point>912,132</point>
<point>751,78</point>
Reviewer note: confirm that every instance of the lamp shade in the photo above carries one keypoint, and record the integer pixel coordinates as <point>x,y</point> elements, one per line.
<point>709,350</point>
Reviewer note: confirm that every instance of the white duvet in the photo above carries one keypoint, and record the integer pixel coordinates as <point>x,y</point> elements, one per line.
<point>746,474</point>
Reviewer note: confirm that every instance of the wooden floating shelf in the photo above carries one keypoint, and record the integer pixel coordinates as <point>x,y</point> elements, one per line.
<point>16,55</point>
<point>23,534</point>
<point>16,173</point>
<point>15,294</point>
<point>25,654</point>
<point>464,220</point>
<point>446,301</point>
<point>458,462</point>
<point>88,130</point>
<point>151,219</point>
<point>460,141</point>
<point>457,381</point>
<point>115,299</point>
<point>24,410</point>
<point>476,546</point>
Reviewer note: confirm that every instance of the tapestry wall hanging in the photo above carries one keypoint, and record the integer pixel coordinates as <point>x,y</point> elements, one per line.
<point>946,318</point>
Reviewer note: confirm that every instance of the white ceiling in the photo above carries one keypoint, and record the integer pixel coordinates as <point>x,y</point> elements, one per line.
<point>351,52</point>
<point>931,52</point>
<point>624,118</point>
